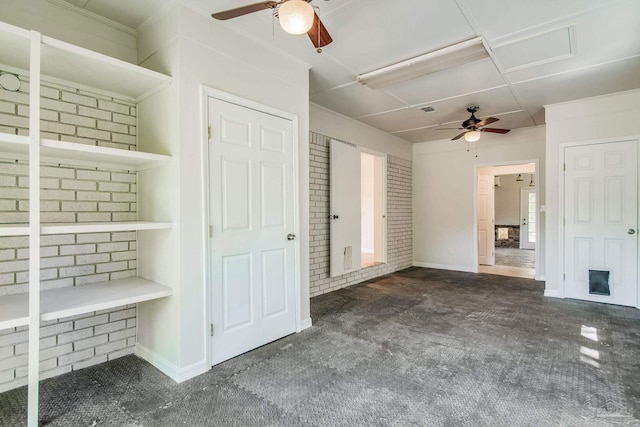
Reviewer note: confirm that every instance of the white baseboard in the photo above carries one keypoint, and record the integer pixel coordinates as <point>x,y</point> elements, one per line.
<point>466,269</point>
<point>541,278</point>
<point>552,293</point>
<point>305,323</point>
<point>169,369</point>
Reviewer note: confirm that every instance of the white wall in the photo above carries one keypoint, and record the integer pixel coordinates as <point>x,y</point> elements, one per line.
<point>335,125</point>
<point>608,117</point>
<point>444,182</point>
<point>507,199</point>
<point>197,51</point>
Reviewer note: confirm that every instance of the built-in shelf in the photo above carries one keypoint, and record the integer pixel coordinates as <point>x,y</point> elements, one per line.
<point>14,311</point>
<point>7,230</point>
<point>71,153</point>
<point>84,227</point>
<point>64,302</point>
<point>62,62</point>
<point>74,300</point>
<point>102,227</point>
<point>92,155</point>
<point>66,62</point>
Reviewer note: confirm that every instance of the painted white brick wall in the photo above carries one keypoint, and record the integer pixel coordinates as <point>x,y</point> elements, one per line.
<point>69,194</point>
<point>399,221</point>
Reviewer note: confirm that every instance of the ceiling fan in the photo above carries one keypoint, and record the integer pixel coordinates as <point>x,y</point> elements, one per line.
<point>473,126</point>
<point>295,17</point>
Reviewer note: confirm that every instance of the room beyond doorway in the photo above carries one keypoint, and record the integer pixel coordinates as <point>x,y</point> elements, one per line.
<point>507,220</point>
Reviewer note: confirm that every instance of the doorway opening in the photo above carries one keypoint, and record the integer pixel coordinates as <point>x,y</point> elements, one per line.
<point>507,220</point>
<point>372,206</point>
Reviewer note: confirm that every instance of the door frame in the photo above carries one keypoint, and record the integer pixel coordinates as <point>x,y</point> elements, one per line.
<point>561,196</point>
<point>522,213</point>
<point>207,92</point>
<point>385,160</point>
<point>476,169</point>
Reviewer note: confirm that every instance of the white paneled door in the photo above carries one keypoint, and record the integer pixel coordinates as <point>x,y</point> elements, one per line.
<point>601,222</point>
<point>252,193</point>
<point>486,209</point>
<point>345,215</point>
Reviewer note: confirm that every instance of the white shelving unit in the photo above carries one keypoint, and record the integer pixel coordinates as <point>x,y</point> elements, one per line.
<point>44,58</point>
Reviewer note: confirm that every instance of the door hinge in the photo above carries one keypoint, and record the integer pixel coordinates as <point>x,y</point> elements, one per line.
<point>211,231</point>
<point>212,329</point>
<point>209,132</point>
<point>564,166</point>
<point>564,221</point>
<point>564,276</point>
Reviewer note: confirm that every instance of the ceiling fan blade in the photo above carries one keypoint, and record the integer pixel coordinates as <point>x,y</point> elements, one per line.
<point>448,128</point>
<point>318,34</point>
<point>244,10</point>
<point>487,121</point>
<point>495,130</point>
<point>458,136</point>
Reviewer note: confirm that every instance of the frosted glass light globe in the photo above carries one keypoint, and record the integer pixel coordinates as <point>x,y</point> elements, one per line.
<point>472,136</point>
<point>296,16</point>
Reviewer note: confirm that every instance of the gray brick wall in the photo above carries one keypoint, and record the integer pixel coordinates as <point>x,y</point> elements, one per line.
<point>399,221</point>
<point>69,194</point>
<point>72,115</point>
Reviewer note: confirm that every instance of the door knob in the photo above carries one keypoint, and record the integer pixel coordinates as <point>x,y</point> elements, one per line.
<point>631,231</point>
<point>333,216</point>
<point>291,236</point>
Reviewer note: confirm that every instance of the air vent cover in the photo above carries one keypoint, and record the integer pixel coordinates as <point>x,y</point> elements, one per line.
<point>428,109</point>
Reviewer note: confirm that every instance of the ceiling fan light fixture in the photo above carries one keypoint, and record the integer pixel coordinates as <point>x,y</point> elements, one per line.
<point>296,16</point>
<point>472,136</point>
<point>431,62</point>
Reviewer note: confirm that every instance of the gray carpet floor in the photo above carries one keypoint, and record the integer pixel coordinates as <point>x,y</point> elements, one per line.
<point>419,347</point>
<point>512,257</point>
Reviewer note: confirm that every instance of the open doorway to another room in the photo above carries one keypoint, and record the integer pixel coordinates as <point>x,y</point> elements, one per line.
<point>513,222</point>
<point>373,209</point>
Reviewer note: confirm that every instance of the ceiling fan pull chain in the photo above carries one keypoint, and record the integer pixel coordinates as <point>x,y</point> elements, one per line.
<point>476,149</point>
<point>319,50</point>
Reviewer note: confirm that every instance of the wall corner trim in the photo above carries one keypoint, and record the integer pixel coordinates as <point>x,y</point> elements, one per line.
<point>169,369</point>
<point>304,324</point>
<point>463,268</point>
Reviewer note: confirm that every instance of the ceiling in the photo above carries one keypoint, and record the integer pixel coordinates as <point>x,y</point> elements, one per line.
<point>540,53</point>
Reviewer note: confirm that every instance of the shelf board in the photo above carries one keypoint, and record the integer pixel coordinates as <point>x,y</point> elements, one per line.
<point>66,62</point>
<point>71,153</point>
<point>14,230</point>
<point>71,301</point>
<point>91,155</point>
<point>14,311</point>
<point>74,300</point>
<point>102,227</point>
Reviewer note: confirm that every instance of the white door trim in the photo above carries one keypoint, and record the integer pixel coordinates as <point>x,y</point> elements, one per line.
<point>561,156</point>
<point>206,93</point>
<point>476,169</point>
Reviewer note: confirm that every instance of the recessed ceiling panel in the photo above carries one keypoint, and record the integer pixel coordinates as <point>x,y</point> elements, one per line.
<point>609,78</point>
<point>504,17</point>
<point>468,78</point>
<point>356,100</point>
<point>507,121</point>
<point>491,103</point>
<point>600,36</point>
<point>372,34</point>
<point>407,118</point>
<point>553,45</point>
